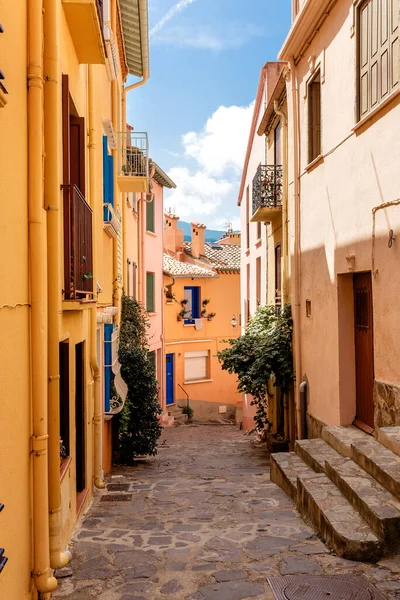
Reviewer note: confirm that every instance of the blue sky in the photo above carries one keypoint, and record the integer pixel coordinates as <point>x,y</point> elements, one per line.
<point>205,61</point>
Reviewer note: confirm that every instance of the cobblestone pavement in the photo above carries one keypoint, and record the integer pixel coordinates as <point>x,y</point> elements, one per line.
<point>203,522</point>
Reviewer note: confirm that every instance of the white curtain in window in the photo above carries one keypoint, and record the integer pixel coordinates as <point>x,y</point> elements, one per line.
<point>196,365</point>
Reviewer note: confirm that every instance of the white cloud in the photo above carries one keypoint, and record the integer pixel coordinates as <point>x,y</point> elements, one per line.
<point>208,193</point>
<point>177,8</point>
<point>231,36</point>
<point>221,145</point>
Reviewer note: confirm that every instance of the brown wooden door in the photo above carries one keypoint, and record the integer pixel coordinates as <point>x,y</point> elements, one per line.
<point>364,346</point>
<point>80,418</point>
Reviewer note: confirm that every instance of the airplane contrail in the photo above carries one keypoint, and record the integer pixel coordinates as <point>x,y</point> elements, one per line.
<point>181,5</point>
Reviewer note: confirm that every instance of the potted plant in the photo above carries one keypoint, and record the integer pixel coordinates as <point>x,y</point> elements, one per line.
<point>211,315</point>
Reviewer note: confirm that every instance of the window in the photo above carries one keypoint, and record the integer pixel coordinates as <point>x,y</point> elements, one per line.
<point>131,272</point>
<point>278,144</point>
<point>192,306</point>
<point>258,275</point>
<point>196,365</point>
<point>247,217</point>
<point>378,48</point>
<point>258,230</point>
<point>150,292</point>
<point>150,224</point>
<point>314,118</point>
<point>247,303</point>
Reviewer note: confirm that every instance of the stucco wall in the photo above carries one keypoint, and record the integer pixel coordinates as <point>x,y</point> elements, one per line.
<point>360,170</point>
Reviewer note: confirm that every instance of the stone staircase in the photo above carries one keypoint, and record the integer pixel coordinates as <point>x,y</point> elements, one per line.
<point>176,412</point>
<point>347,484</point>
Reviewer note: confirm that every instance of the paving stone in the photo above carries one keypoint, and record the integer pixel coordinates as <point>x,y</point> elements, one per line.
<point>175,566</point>
<point>222,576</point>
<point>172,587</point>
<point>130,558</point>
<point>231,591</point>
<point>293,565</point>
<point>139,572</point>
<point>204,567</point>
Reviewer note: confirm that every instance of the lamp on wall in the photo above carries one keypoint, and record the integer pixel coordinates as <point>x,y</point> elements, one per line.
<point>235,321</point>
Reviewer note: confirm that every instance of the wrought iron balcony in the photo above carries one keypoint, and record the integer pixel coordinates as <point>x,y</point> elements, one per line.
<point>267,192</point>
<point>78,248</point>
<point>133,161</point>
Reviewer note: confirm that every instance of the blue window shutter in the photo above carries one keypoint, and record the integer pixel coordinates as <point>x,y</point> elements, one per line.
<point>105,168</point>
<point>111,179</point>
<point>108,374</point>
<point>196,302</point>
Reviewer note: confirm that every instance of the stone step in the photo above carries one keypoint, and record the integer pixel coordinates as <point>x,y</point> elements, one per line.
<point>374,503</point>
<point>315,452</point>
<point>390,438</point>
<point>381,463</point>
<point>342,437</point>
<point>340,525</point>
<point>285,468</point>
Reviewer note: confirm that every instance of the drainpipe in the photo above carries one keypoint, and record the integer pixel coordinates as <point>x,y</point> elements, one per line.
<point>141,240</point>
<point>58,559</point>
<point>303,410</point>
<point>297,243</point>
<point>45,583</point>
<point>116,119</point>
<point>94,363</point>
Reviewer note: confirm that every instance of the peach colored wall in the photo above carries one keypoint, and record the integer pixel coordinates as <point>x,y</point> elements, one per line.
<point>360,170</point>
<point>153,263</point>
<point>224,295</point>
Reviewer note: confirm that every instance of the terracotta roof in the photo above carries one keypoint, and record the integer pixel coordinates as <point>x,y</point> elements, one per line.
<point>222,258</point>
<point>177,268</point>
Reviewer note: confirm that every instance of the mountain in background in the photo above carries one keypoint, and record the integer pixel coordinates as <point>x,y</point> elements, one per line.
<point>212,235</point>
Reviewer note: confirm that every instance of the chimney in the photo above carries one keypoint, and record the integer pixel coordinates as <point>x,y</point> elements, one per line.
<point>198,244</point>
<point>173,237</point>
<point>234,239</point>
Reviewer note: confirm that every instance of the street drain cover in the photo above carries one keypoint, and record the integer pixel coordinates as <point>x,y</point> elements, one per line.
<point>118,487</point>
<point>336,587</point>
<point>116,498</point>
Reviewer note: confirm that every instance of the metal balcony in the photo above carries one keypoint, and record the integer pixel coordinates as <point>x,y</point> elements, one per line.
<point>133,161</point>
<point>112,220</point>
<point>78,247</point>
<point>267,193</point>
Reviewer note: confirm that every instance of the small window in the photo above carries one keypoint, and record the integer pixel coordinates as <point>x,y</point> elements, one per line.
<point>150,292</point>
<point>314,118</point>
<point>247,217</point>
<point>258,230</point>
<point>192,306</point>
<point>258,275</point>
<point>197,365</point>
<point>150,221</point>
<point>108,174</point>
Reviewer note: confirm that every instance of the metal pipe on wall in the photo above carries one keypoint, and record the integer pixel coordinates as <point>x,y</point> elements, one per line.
<point>45,583</point>
<point>58,558</point>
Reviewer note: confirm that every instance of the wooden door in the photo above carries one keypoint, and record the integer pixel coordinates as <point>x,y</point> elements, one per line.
<point>80,418</point>
<point>364,347</point>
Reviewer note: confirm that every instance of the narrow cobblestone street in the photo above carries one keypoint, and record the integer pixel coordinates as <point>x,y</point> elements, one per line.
<point>201,521</point>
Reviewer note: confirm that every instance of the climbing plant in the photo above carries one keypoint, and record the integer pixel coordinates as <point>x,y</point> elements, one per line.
<point>138,426</point>
<point>261,355</point>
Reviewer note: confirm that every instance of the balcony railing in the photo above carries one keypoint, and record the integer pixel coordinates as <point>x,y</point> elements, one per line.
<point>112,221</point>
<point>133,161</point>
<point>78,249</point>
<point>267,190</point>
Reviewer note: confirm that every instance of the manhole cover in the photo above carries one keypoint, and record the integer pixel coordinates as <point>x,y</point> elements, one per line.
<point>336,587</point>
<point>118,487</point>
<point>116,498</point>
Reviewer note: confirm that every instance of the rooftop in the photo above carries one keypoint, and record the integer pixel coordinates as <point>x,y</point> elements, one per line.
<point>178,268</point>
<point>223,258</point>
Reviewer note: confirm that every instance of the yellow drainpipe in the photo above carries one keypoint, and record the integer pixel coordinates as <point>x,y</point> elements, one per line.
<point>45,583</point>
<point>97,417</point>
<point>58,559</point>
<point>117,126</point>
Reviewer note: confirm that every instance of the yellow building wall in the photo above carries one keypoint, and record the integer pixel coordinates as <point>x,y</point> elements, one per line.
<point>221,387</point>
<point>15,421</point>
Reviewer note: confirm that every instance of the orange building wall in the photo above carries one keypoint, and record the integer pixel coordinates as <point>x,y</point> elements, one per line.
<point>221,388</point>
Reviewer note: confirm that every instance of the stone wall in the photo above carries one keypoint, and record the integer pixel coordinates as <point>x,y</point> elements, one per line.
<point>387,404</point>
<point>204,411</point>
<point>314,427</point>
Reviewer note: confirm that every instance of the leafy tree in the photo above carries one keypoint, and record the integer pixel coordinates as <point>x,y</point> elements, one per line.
<point>139,425</point>
<point>262,354</point>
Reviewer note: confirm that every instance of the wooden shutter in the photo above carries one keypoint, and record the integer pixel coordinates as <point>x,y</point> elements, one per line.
<point>150,303</point>
<point>314,117</point>
<point>65,129</point>
<point>77,152</point>
<point>134,279</point>
<point>196,365</point>
<point>380,48</point>
<point>150,216</point>
<point>108,174</point>
<point>394,42</point>
<point>364,57</point>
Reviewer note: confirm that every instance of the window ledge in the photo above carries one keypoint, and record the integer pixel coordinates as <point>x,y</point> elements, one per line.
<point>64,466</point>
<point>365,120</point>
<point>77,304</point>
<point>258,243</point>
<point>151,313</point>
<point>248,252</point>
<point>151,233</point>
<point>198,381</point>
<point>314,163</point>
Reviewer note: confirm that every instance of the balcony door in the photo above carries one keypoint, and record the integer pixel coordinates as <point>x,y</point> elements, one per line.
<point>278,144</point>
<point>73,142</point>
